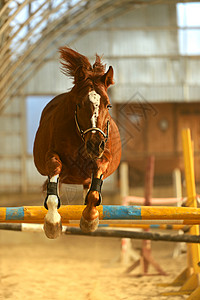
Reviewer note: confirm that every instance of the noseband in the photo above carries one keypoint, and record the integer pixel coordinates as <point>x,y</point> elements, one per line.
<point>84,132</point>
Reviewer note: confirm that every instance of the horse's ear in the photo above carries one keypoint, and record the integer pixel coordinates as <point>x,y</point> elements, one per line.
<point>107,78</point>
<point>74,64</point>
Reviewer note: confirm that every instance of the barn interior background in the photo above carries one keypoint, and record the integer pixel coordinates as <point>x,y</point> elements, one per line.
<point>154,47</point>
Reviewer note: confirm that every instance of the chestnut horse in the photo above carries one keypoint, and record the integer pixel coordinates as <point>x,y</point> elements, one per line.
<point>77,141</point>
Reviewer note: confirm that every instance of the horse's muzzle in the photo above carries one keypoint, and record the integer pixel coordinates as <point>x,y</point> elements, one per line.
<point>95,149</point>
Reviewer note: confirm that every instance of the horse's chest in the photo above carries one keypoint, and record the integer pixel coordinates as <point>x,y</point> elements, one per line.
<point>76,161</point>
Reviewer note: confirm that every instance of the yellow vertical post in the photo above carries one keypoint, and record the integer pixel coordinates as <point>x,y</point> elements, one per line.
<point>193,250</point>
<point>189,278</point>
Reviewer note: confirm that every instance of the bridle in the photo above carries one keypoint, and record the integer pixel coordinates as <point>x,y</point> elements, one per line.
<point>84,132</point>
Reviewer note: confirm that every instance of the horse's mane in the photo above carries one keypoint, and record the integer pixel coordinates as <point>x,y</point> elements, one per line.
<point>98,67</point>
<point>73,61</point>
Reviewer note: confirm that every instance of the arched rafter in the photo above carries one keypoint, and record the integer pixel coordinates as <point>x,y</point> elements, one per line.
<point>75,18</point>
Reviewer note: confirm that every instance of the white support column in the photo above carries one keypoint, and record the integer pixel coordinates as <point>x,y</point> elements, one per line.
<point>124,180</point>
<point>177,184</point>
<point>180,247</point>
<point>23,135</point>
<point>127,252</point>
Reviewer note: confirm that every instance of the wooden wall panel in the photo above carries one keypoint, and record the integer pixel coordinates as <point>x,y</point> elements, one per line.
<point>148,137</point>
<point>188,116</point>
<point>160,137</point>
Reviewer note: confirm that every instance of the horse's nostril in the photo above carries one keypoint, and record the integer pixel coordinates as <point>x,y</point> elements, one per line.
<point>102,145</point>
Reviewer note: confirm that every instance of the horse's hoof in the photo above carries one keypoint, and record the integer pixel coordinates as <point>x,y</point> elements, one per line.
<point>89,226</point>
<point>52,230</point>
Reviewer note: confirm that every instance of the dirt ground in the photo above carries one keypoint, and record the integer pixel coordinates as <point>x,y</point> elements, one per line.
<point>78,268</point>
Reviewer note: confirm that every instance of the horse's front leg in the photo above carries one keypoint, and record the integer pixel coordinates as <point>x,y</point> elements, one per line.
<point>90,217</point>
<point>52,221</point>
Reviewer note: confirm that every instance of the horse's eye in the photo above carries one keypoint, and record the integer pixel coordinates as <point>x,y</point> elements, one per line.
<point>109,106</point>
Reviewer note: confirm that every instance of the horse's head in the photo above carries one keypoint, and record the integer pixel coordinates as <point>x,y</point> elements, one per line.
<point>92,102</point>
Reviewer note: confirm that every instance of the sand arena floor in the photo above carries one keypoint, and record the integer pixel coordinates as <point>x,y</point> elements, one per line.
<point>33,267</point>
<point>78,268</point>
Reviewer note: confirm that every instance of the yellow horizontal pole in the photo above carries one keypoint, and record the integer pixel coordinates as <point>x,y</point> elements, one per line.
<point>36,214</point>
<point>169,213</point>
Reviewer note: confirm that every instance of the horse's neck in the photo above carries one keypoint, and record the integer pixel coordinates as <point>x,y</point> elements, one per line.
<point>66,105</point>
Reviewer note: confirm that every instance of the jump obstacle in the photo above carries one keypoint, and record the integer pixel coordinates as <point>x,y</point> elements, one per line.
<point>190,215</point>
<point>127,253</point>
<point>188,279</point>
<point>36,214</point>
<point>34,227</point>
<point>102,232</point>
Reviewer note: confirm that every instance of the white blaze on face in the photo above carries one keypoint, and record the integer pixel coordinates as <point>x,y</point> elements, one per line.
<point>95,99</point>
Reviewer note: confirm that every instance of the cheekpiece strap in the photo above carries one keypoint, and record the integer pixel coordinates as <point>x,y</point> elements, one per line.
<point>96,185</point>
<point>52,189</point>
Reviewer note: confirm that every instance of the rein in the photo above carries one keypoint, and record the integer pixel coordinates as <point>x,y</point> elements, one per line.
<point>84,132</point>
